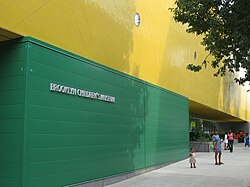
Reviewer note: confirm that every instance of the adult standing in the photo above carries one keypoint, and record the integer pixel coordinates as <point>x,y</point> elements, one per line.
<point>217,148</point>
<point>230,137</point>
<point>247,140</point>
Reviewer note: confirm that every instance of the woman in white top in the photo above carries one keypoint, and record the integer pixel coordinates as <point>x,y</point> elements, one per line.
<point>225,141</point>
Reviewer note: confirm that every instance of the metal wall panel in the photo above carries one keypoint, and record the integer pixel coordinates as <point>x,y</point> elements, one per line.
<point>12,65</point>
<point>67,139</point>
<point>74,139</point>
<point>167,129</point>
<point>158,51</point>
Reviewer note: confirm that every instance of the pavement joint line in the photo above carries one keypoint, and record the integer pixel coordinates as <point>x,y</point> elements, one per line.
<point>234,173</point>
<point>245,181</point>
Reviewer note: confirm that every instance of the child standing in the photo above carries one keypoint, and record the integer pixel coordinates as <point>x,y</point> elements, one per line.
<point>247,140</point>
<point>192,159</point>
<point>225,141</point>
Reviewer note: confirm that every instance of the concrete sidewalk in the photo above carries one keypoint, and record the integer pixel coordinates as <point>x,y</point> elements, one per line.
<point>234,173</point>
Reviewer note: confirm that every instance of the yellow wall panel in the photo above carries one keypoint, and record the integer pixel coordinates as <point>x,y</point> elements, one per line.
<point>157,51</point>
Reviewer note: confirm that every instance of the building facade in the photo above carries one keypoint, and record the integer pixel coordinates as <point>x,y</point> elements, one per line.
<point>98,89</point>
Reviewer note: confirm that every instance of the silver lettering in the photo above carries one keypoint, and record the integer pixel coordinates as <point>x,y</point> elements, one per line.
<point>81,93</point>
<point>52,87</point>
<point>73,90</point>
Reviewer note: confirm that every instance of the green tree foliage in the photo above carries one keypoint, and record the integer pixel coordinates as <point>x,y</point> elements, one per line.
<point>225,28</point>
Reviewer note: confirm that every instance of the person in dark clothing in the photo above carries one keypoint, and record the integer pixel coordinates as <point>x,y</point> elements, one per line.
<point>247,140</point>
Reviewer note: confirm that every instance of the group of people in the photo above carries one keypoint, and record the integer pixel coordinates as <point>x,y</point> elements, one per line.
<point>241,136</point>
<point>228,145</point>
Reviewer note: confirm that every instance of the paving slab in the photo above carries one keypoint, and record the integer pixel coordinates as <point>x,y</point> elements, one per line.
<point>234,173</point>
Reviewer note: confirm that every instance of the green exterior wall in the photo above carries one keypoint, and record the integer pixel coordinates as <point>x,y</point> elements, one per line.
<point>12,78</point>
<point>69,139</point>
<point>167,137</point>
